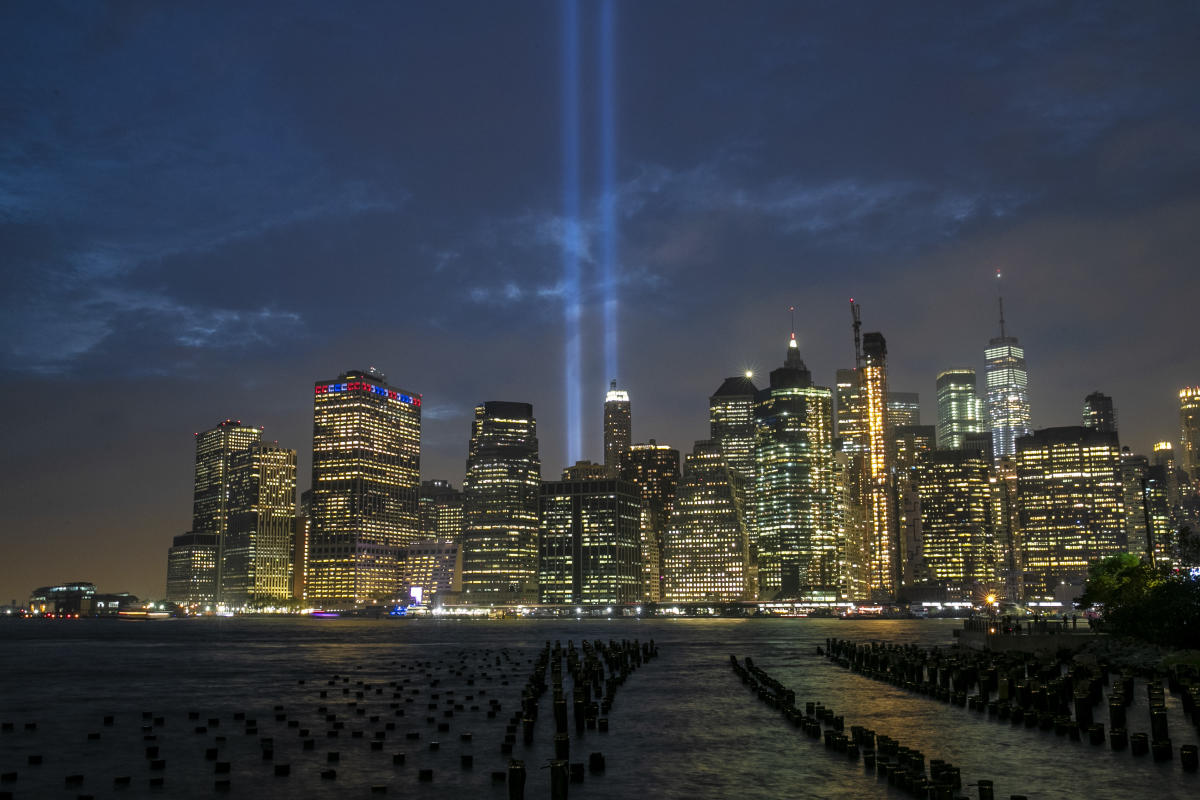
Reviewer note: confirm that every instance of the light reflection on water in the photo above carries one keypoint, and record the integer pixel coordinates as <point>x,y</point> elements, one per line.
<point>682,727</point>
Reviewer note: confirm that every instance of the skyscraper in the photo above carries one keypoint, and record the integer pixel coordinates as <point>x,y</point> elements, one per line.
<point>1189,431</point>
<point>588,548</point>
<point>1070,498</point>
<point>854,481</point>
<point>880,516</point>
<point>654,469</point>
<point>731,423</point>
<point>618,425</point>
<point>500,501</point>
<point>707,548</point>
<point>215,449</point>
<point>1098,413</point>
<point>794,490</point>
<point>1133,487</point>
<point>258,554</point>
<point>960,411</point>
<point>365,472</point>
<point>958,535</point>
<point>440,507</point>
<point>904,408</point>
<point>192,570</point>
<point>1007,391</point>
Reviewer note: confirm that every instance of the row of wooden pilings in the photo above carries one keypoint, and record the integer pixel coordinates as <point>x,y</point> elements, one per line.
<point>363,706</point>
<point>597,670</point>
<point>902,767</point>
<point>1045,695</point>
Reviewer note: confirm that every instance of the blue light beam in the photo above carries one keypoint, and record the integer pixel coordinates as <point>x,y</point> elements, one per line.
<point>608,174</point>
<point>573,350</point>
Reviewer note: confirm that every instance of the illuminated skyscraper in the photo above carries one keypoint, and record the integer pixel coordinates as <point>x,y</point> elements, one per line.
<point>904,408</point>
<point>618,425</point>
<point>1071,507</point>
<point>192,570</point>
<point>908,443</point>
<point>960,411</point>
<point>794,490</point>
<point>500,501</point>
<point>588,549</point>
<point>854,531</point>
<point>881,519</point>
<point>441,512</point>
<point>365,472</point>
<point>1160,535</point>
<point>258,555</point>
<point>1098,413</point>
<point>731,423</point>
<point>1189,431</point>
<point>654,469</point>
<point>707,549</point>
<point>958,535</point>
<point>215,449</point>
<point>1133,486</point>
<point>1007,391</point>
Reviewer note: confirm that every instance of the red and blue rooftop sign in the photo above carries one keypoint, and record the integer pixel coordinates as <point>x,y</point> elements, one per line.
<point>363,386</point>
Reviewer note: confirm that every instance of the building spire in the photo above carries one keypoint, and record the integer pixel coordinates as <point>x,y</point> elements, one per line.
<point>1000,298</point>
<point>792,342</point>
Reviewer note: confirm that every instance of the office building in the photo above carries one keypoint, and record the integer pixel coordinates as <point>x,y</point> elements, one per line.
<point>1007,391</point>
<point>908,443</point>
<point>654,469</point>
<point>731,424</point>
<point>365,473</point>
<point>432,570</point>
<point>794,489</point>
<point>1098,413</point>
<point>904,408</point>
<point>440,509</point>
<point>215,449</point>
<point>957,533</point>
<point>1071,507</point>
<point>707,548</point>
<point>192,570</point>
<point>588,549</point>
<point>1133,486</point>
<point>618,425</point>
<point>300,546</point>
<point>1160,515</point>
<point>960,411</point>
<point>1189,432</point>
<point>256,569</point>
<point>500,503</point>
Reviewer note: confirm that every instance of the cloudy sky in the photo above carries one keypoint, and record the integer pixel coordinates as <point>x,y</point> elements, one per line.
<point>204,208</point>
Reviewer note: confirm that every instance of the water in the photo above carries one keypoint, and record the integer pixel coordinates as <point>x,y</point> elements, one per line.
<point>683,726</point>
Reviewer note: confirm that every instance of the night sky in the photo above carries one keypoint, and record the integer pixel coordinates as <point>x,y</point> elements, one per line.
<point>206,207</point>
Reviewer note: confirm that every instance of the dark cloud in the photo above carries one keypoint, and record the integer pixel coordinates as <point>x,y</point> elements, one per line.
<point>204,209</point>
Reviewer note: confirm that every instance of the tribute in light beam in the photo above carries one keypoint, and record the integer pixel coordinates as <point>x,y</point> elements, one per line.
<point>570,237</point>
<point>608,197</point>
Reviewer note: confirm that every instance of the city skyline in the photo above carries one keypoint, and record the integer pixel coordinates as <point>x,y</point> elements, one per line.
<point>198,224</point>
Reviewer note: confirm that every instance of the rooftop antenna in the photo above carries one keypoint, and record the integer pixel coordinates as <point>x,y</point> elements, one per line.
<point>855,315</point>
<point>792,311</point>
<point>1000,298</point>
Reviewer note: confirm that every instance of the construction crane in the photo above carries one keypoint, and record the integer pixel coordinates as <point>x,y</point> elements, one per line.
<point>854,313</point>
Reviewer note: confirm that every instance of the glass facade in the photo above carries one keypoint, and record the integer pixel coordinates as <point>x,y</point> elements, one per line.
<point>365,473</point>
<point>904,408</point>
<point>707,549</point>
<point>1098,413</point>
<point>500,502</point>
<point>215,449</point>
<point>1007,395</point>
<point>588,550</point>
<point>960,411</point>
<point>794,489</point>
<point>192,570</point>
<point>441,512</point>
